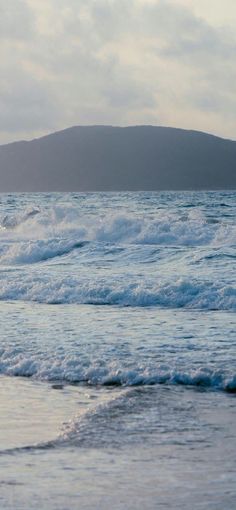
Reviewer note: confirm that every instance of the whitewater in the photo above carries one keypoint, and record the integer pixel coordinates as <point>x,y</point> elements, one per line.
<point>118,350</point>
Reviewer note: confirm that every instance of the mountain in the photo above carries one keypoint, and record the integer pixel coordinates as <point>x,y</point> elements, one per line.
<point>100,158</point>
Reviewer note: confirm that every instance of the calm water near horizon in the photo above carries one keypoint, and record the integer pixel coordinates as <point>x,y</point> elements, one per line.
<point>118,351</point>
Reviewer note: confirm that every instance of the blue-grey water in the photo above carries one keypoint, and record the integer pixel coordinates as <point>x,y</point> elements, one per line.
<point>118,350</point>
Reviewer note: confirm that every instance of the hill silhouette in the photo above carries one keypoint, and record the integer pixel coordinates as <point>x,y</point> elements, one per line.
<point>103,158</point>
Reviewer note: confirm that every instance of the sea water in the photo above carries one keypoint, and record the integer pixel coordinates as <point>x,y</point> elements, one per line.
<point>118,350</point>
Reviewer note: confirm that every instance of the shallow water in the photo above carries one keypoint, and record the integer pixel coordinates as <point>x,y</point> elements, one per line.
<point>117,353</point>
<point>160,447</point>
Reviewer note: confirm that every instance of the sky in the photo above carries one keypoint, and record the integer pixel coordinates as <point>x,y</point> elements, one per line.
<point>117,62</point>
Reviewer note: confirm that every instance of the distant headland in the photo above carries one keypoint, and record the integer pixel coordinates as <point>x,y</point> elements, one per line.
<point>107,158</point>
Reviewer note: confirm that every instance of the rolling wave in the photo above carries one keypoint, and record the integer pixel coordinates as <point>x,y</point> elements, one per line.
<point>180,293</point>
<point>171,229</point>
<point>72,370</point>
<point>38,251</point>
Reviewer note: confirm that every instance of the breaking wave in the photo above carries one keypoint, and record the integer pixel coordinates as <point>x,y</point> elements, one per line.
<point>181,293</point>
<point>175,229</point>
<point>87,244</point>
<point>38,251</point>
<point>72,370</point>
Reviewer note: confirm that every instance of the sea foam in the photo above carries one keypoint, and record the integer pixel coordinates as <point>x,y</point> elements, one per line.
<point>71,370</point>
<point>164,228</point>
<point>180,293</point>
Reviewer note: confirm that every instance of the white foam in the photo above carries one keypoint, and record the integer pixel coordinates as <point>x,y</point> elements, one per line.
<point>163,228</point>
<point>31,252</point>
<point>72,370</point>
<point>180,293</point>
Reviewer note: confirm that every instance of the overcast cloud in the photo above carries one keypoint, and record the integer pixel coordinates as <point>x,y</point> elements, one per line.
<point>120,62</point>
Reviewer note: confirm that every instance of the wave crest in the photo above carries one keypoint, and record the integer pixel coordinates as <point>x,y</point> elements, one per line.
<point>163,228</point>
<point>181,293</point>
<point>71,370</point>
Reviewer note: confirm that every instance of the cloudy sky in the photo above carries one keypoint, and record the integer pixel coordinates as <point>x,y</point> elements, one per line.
<point>119,62</point>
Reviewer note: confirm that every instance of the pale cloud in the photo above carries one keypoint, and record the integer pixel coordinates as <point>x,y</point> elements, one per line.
<point>66,62</point>
<point>15,20</point>
<point>216,12</point>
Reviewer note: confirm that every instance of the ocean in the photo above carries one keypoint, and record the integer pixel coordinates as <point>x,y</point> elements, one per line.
<point>118,351</point>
